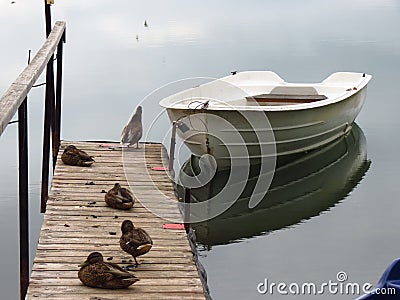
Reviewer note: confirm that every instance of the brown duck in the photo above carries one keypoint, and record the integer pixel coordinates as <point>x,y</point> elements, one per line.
<point>94,272</point>
<point>76,157</point>
<point>135,241</point>
<point>119,197</point>
<point>132,132</point>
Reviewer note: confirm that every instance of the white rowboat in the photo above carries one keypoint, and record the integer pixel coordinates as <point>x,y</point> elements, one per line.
<point>256,114</point>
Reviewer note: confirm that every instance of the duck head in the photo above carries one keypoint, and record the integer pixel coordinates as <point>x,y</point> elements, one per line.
<point>127,226</point>
<point>94,257</point>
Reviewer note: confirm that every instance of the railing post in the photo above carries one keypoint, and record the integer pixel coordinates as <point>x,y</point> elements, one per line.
<point>172,149</point>
<point>23,198</point>
<point>48,113</point>
<point>49,118</point>
<point>186,212</point>
<point>57,129</point>
<point>47,14</point>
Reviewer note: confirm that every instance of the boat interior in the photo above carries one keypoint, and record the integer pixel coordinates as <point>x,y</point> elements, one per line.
<point>265,88</point>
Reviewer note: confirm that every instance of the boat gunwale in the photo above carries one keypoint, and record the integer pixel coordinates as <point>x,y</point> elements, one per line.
<point>358,87</point>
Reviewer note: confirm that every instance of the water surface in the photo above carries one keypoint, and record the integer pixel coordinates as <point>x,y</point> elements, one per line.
<point>112,62</point>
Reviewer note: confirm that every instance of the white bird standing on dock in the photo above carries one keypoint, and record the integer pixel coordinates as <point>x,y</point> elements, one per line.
<point>133,131</point>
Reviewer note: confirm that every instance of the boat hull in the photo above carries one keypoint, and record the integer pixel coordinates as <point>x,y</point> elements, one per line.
<point>265,133</point>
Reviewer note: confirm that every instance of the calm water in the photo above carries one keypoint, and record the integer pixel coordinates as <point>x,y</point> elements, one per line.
<point>112,62</point>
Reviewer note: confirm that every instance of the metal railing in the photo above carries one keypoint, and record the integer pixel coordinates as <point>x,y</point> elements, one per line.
<point>15,99</point>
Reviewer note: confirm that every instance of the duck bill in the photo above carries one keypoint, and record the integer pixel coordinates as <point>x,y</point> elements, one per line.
<point>84,264</point>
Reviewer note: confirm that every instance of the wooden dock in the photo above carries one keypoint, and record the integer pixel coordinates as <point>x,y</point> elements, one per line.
<point>77,222</point>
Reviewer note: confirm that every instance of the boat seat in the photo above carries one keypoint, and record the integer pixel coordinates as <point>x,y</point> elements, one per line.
<point>274,99</point>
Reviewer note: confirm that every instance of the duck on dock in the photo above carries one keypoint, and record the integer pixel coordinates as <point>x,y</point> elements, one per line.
<point>135,241</point>
<point>132,132</point>
<point>119,197</point>
<point>75,157</point>
<point>94,272</point>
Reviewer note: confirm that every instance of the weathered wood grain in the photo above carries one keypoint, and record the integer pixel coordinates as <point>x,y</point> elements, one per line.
<point>44,267</point>
<point>143,274</point>
<point>77,222</point>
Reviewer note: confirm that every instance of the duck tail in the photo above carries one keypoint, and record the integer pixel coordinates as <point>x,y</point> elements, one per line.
<point>88,163</point>
<point>142,249</point>
<point>124,135</point>
<point>131,280</point>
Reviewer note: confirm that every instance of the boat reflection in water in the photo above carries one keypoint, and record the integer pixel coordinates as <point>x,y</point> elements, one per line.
<point>303,187</point>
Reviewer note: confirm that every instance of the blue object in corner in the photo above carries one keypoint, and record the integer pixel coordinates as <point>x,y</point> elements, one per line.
<point>388,286</point>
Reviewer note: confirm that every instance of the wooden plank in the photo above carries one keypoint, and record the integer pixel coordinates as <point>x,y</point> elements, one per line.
<point>118,256</point>
<point>76,193</point>
<point>132,293</point>
<point>138,219</point>
<point>84,225</point>
<point>103,241</point>
<point>160,281</point>
<point>85,247</point>
<point>110,215</point>
<point>142,272</point>
<point>106,296</point>
<point>19,89</point>
<point>78,221</point>
<point>143,268</point>
<point>89,235</point>
<point>137,288</point>
<point>144,261</point>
